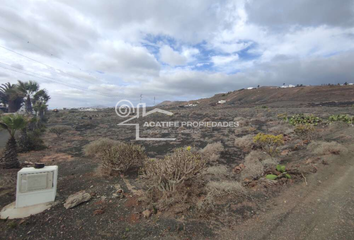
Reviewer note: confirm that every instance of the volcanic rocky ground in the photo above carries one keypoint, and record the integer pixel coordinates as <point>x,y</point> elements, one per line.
<point>316,203</point>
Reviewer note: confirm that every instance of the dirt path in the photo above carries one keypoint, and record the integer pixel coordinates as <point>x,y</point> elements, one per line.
<point>324,209</point>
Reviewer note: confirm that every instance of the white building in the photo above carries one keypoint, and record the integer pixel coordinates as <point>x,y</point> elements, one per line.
<point>250,88</point>
<point>191,105</point>
<point>287,86</point>
<point>222,101</point>
<point>88,109</point>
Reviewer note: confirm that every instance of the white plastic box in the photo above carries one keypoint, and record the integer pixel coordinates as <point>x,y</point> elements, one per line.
<point>36,186</point>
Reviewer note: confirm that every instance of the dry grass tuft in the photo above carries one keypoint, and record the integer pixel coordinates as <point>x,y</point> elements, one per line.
<point>281,129</point>
<point>245,143</point>
<point>270,163</point>
<point>219,190</point>
<point>60,129</point>
<point>212,151</point>
<point>223,188</point>
<point>219,171</point>
<point>243,122</point>
<point>253,166</point>
<point>169,173</point>
<point>115,156</point>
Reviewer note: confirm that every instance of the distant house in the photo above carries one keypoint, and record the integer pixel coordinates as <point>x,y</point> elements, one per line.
<point>22,110</point>
<point>250,88</point>
<point>222,101</point>
<point>350,84</point>
<point>88,109</point>
<point>191,105</point>
<point>288,86</point>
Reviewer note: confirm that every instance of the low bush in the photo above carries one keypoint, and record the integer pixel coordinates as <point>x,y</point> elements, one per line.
<point>245,143</point>
<point>59,130</point>
<point>115,156</point>
<point>270,163</point>
<point>253,166</point>
<point>223,188</point>
<point>269,143</point>
<point>212,151</point>
<point>172,171</point>
<point>283,116</point>
<point>220,171</point>
<point>282,173</point>
<point>304,119</point>
<point>324,148</point>
<point>305,131</point>
<point>30,140</point>
<point>242,122</point>
<point>220,190</point>
<point>281,129</point>
<point>341,118</point>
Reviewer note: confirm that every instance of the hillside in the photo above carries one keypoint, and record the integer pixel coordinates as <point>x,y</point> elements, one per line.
<point>281,97</point>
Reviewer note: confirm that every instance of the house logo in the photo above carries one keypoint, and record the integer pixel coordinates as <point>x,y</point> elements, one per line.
<point>125,108</point>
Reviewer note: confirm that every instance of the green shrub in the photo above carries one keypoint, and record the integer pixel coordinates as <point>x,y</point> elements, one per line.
<point>30,140</point>
<point>304,119</point>
<point>341,118</point>
<point>269,143</point>
<point>281,168</point>
<point>283,173</point>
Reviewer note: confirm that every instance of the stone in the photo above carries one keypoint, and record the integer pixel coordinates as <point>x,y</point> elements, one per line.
<point>98,212</point>
<point>284,152</point>
<point>147,213</point>
<point>118,188</point>
<point>76,199</point>
<point>239,168</point>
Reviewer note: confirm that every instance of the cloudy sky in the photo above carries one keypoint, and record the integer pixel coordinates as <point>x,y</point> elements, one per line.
<point>94,52</point>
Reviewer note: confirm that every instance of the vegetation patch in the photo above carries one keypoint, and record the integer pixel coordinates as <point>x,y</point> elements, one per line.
<point>115,156</point>
<point>269,143</point>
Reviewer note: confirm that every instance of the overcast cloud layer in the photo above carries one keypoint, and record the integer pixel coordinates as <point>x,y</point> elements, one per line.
<point>94,52</point>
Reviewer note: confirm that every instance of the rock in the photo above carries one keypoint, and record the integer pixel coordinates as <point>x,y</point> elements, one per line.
<point>147,213</point>
<point>98,212</point>
<point>118,188</point>
<point>76,199</point>
<point>27,163</point>
<point>284,153</point>
<point>239,168</point>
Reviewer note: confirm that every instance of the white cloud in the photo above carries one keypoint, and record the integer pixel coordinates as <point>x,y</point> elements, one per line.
<point>123,58</point>
<point>231,47</point>
<point>171,57</point>
<point>222,60</point>
<point>91,51</point>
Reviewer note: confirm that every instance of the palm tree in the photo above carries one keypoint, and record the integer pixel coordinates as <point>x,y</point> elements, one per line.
<point>40,100</point>
<point>11,96</point>
<point>28,88</point>
<point>11,123</point>
<point>40,108</point>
